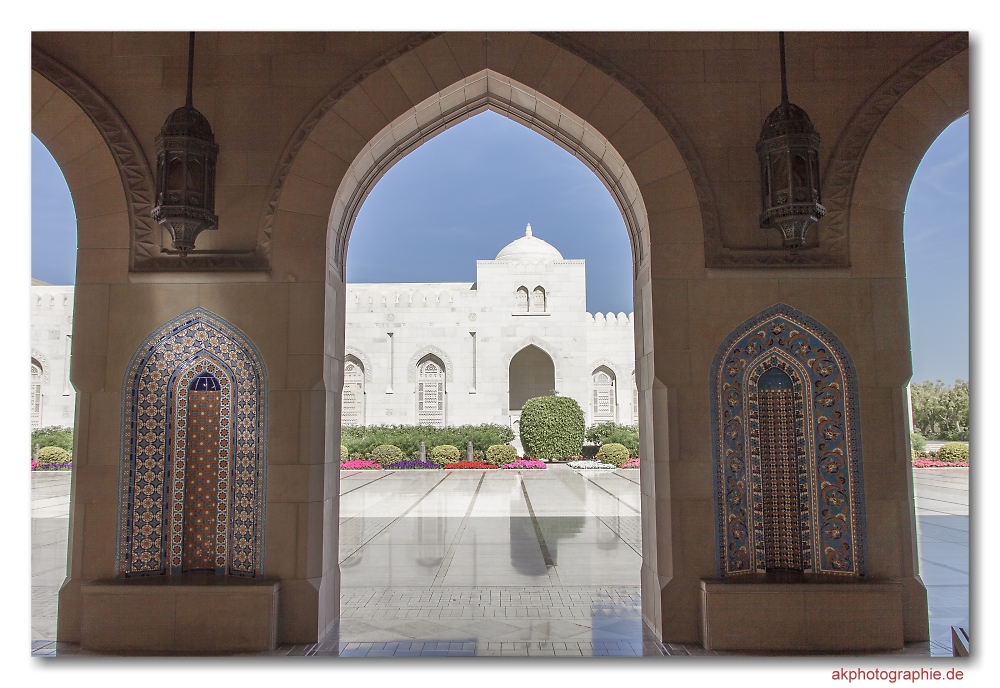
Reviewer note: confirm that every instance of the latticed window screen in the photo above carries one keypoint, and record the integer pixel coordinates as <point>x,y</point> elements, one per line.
<point>36,395</point>
<point>201,474</point>
<point>779,471</point>
<point>538,300</point>
<point>604,396</point>
<point>353,398</point>
<point>430,394</point>
<point>521,300</point>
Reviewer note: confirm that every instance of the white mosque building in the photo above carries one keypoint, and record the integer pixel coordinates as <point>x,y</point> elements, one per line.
<point>433,353</point>
<point>455,353</point>
<point>52,396</point>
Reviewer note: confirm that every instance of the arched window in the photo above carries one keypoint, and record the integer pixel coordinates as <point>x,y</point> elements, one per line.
<point>604,403</point>
<point>521,300</point>
<point>430,392</point>
<point>538,300</point>
<point>36,394</point>
<point>353,405</point>
<point>635,401</point>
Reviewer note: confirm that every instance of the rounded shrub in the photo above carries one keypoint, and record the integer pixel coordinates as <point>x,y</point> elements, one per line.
<point>918,442</point>
<point>954,452</point>
<point>343,454</point>
<point>53,454</point>
<point>500,454</point>
<point>552,427</point>
<point>605,433</point>
<point>384,454</point>
<point>613,453</point>
<point>443,454</point>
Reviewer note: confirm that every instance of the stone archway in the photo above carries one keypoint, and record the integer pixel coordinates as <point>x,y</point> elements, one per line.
<point>412,99</point>
<point>290,159</point>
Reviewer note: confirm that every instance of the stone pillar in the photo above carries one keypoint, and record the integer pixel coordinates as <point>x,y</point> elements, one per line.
<point>468,451</point>
<point>423,452</point>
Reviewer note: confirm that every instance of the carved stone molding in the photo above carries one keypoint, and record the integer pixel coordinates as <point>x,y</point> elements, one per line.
<point>307,125</point>
<point>840,174</point>
<point>365,361</point>
<point>842,171</point>
<point>449,369</point>
<point>137,180</point>
<point>686,147</point>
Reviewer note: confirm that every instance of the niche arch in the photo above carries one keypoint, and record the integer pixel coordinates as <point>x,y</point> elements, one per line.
<point>195,364</point>
<point>815,420</point>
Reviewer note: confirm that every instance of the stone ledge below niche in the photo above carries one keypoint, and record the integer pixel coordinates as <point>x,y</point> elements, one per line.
<point>748,614</point>
<point>191,613</point>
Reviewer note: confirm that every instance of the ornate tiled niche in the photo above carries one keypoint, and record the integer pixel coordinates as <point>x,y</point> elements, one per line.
<point>786,449</point>
<point>193,452</point>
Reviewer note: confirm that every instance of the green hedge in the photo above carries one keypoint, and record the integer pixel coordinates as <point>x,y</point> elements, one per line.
<point>53,436</point>
<point>443,454</point>
<point>362,440</point>
<point>499,454</point>
<point>918,442</point>
<point>384,454</point>
<point>953,452</point>
<point>552,428</point>
<point>343,454</point>
<point>626,435</point>
<point>613,453</point>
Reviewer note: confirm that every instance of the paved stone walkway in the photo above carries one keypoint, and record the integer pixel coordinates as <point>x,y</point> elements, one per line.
<point>506,563</point>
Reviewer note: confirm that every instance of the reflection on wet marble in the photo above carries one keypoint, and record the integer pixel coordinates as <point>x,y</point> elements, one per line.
<point>530,563</point>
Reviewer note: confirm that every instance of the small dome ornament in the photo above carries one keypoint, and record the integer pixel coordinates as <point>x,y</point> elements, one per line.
<point>186,155</point>
<point>788,150</point>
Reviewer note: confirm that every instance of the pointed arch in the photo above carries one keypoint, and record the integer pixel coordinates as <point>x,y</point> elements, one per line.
<point>434,351</point>
<point>366,363</point>
<point>811,425</point>
<point>159,446</point>
<point>531,372</point>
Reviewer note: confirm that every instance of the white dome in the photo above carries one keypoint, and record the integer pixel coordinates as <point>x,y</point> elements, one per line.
<point>529,249</point>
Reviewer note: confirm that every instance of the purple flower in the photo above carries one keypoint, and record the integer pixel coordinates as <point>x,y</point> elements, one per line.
<point>412,463</point>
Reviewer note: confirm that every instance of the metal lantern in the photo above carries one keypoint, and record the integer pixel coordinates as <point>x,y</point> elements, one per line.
<point>788,150</point>
<point>186,154</point>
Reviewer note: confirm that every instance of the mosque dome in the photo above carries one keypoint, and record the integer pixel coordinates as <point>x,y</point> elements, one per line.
<point>529,249</point>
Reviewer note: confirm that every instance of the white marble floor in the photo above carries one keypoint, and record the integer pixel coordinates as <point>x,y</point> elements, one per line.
<point>496,563</point>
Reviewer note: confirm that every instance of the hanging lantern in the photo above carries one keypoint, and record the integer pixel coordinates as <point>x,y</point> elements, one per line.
<point>788,150</point>
<point>186,153</point>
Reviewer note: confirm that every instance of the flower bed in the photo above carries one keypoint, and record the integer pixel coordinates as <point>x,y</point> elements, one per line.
<point>632,462</point>
<point>532,464</point>
<point>406,464</point>
<point>931,463</point>
<point>589,464</point>
<point>360,465</point>
<point>469,464</point>
<point>35,466</point>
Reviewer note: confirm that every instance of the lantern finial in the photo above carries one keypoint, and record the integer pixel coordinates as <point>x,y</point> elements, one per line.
<point>186,154</point>
<point>788,150</point>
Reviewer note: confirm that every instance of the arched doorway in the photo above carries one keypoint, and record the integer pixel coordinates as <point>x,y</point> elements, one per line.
<point>531,374</point>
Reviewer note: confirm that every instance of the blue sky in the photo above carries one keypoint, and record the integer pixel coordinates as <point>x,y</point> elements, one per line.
<point>468,192</point>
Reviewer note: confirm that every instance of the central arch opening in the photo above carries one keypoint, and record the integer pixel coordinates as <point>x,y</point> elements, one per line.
<point>448,355</point>
<point>532,374</point>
